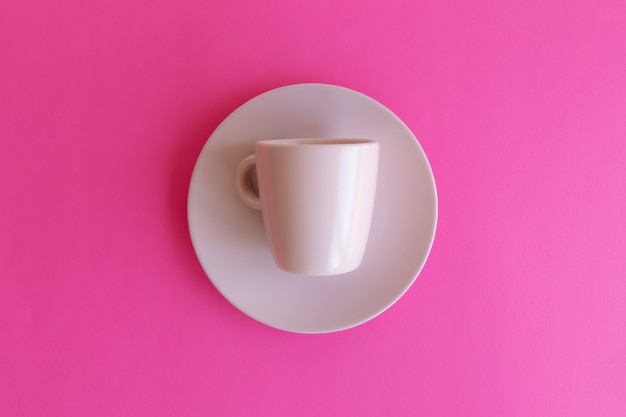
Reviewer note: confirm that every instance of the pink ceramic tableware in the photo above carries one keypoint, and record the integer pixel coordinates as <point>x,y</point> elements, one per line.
<point>317,198</point>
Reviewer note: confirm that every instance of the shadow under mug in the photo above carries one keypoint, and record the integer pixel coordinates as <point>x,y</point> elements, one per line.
<point>317,198</point>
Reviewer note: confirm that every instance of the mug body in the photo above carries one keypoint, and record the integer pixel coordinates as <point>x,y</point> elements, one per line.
<point>317,198</point>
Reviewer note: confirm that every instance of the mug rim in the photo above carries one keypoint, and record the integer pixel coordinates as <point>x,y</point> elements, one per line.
<point>317,142</point>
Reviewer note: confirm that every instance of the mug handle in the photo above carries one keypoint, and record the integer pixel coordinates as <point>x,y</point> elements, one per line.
<point>245,184</point>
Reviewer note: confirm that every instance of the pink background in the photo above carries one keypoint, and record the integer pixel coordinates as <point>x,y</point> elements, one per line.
<point>519,311</point>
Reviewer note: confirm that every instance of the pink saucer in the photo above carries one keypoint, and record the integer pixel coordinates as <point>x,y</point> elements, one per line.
<point>229,239</point>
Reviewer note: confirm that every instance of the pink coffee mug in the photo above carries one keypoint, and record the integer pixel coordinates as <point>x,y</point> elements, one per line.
<point>317,198</point>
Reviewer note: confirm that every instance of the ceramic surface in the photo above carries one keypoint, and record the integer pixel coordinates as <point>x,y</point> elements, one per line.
<point>229,237</point>
<point>317,197</point>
